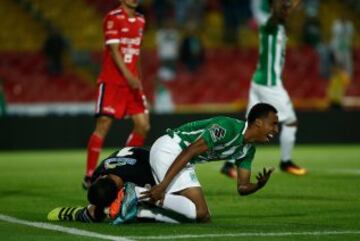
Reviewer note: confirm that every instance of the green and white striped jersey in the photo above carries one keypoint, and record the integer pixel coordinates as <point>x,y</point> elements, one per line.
<point>224,137</point>
<point>271,55</point>
<point>261,11</point>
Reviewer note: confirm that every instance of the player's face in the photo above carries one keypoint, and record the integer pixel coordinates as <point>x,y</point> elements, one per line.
<point>281,8</point>
<point>268,127</point>
<point>131,3</point>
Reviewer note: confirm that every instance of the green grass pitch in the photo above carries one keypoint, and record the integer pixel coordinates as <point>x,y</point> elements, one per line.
<point>323,205</point>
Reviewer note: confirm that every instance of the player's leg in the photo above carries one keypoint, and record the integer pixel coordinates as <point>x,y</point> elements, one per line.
<point>157,214</point>
<point>228,168</point>
<point>174,202</point>
<point>103,124</point>
<point>279,98</point>
<point>137,108</point>
<point>87,214</point>
<point>162,154</point>
<point>287,143</point>
<point>141,128</point>
<point>196,195</point>
<point>189,203</point>
<point>108,106</point>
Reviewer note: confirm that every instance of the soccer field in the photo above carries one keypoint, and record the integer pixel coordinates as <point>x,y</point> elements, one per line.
<point>324,205</point>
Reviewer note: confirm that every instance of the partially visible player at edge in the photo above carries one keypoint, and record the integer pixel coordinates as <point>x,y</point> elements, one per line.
<point>120,91</point>
<point>267,80</point>
<point>112,191</point>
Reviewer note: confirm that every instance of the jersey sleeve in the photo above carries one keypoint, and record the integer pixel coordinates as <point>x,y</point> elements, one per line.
<point>218,132</point>
<point>112,30</point>
<point>246,161</point>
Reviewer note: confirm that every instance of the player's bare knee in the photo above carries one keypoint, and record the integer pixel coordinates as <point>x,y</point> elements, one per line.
<point>142,128</point>
<point>145,127</point>
<point>103,126</point>
<point>203,216</point>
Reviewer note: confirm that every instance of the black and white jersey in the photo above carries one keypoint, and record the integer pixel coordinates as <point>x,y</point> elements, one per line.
<point>129,163</point>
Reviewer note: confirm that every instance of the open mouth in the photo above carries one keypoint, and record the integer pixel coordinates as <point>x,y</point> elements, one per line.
<point>270,136</point>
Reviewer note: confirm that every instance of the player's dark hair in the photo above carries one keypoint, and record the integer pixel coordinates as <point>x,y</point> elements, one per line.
<point>99,214</point>
<point>260,110</point>
<point>102,192</point>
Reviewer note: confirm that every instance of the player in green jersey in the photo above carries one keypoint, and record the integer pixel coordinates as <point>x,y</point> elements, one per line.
<point>261,11</point>
<point>267,83</point>
<point>172,158</point>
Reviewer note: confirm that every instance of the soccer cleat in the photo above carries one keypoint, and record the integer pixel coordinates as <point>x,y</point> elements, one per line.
<point>229,170</point>
<point>86,183</point>
<point>292,168</point>
<point>115,207</point>
<point>129,207</point>
<point>64,213</point>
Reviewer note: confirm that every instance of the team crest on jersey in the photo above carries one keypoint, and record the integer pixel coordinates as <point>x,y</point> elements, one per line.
<point>110,24</point>
<point>217,132</point>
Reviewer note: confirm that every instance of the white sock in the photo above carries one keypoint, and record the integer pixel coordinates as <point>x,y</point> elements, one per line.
<point>287,142</point>
<point>180,204</point>
<point>175,203</point>
<point>148,213</point>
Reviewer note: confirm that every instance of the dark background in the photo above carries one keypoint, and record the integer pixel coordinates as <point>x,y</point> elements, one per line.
<point>58,132</point>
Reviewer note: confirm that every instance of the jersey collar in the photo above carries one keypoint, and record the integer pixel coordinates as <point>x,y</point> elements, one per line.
<point>245,128</point>
<point>130,19</point>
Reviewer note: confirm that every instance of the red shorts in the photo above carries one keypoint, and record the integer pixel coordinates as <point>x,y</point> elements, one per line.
<point>118,101</point>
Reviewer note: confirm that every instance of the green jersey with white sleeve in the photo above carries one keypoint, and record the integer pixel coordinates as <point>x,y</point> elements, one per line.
<point>271,55</point>
<point>223,135</point>
<point>261,11</point>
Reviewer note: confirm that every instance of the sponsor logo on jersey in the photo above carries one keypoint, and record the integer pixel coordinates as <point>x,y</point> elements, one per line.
<point>217,132</point>
<point>124,30</point>
<point>114,162</point>
<point>130,41</point>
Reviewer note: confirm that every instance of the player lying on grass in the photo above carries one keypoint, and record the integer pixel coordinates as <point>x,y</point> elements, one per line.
<point>111,194</point>
<point>171,159</point>
<point>127,165</point>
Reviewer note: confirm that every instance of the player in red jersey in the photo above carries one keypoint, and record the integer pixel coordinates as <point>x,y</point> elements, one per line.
<point>120,91</point>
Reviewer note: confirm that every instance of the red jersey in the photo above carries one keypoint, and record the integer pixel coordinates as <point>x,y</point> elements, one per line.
<point>120,28</point>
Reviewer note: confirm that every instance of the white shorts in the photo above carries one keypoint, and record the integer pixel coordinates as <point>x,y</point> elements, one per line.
<point>277,96</point>
<point>162,154</point>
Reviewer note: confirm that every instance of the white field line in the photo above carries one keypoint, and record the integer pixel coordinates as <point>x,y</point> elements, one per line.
<point>58,228</point>
<point>279,234</point>
<point>79,232</point>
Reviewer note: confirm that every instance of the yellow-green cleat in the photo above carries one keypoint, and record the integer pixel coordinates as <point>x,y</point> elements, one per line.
<point>64,214</point>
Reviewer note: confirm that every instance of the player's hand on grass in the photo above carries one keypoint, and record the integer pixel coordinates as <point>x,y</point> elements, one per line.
<point>264,176</point>
<point>156,193</point>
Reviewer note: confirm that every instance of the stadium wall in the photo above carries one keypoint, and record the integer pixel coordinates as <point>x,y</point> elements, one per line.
<point>57,132</point>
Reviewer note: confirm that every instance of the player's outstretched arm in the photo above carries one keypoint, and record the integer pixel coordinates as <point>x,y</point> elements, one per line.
<point>245,187</point>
